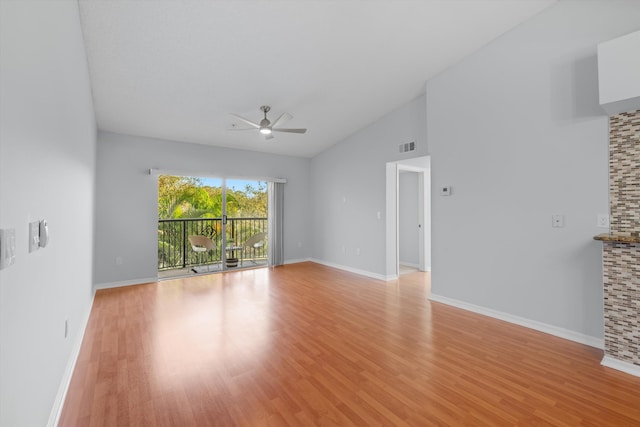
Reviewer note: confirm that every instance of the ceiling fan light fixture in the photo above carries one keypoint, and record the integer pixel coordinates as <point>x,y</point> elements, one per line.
<point>266,127</point>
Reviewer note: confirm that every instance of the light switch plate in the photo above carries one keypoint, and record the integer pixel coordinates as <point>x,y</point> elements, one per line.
<point>602,221</point>
<point>7,247</point>
<point>445,191</point>
<point>34,236</point>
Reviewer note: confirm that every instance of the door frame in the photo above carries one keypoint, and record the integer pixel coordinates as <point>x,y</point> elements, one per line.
<point>156,172</point>
<point>424,214</point>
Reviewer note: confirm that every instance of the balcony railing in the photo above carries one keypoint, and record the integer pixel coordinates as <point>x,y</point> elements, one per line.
<point>174,249</point>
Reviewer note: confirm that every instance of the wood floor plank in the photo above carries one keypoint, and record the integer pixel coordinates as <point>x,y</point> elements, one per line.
<point>305,344</point>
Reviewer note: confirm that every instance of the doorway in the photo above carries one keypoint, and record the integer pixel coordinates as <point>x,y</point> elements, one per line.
<point>408,222</point>
<point>209,225</point>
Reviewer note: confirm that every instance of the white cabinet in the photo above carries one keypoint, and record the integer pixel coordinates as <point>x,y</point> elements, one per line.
<point>619,73</point>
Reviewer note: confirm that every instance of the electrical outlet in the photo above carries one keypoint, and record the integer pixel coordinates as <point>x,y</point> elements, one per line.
<point>557,221</point>
<point>602,221</point>
<point>119,260</point>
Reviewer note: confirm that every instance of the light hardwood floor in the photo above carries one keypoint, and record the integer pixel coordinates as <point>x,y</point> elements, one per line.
<point>307,345</point>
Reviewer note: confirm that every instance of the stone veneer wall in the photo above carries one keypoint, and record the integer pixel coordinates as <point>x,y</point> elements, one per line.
<point>621,261</point>
<point>624,173</point>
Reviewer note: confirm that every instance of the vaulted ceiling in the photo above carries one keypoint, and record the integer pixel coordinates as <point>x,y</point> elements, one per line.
<point>175,69</point>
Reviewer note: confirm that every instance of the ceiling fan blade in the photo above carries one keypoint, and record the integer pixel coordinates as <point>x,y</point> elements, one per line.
<point>235,128</point>
<point>290,130</point>
<point>268,137</point>
<point>284,117</point>
<point>249,122</point>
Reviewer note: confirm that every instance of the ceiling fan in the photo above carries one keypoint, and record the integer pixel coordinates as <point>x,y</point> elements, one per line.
<point>265,126</point>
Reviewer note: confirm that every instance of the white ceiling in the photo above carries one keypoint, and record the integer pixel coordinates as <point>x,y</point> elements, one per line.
<point>174,69</point>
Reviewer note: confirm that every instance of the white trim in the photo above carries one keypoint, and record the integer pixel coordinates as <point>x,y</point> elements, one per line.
<point>391,205</point>
<point>63,388</point>
<point>296,261</point>
<point>626,367</point>
<point>527,323</point>
<point>207,174</point>
<point>409,168</point>
<point>125,283</point>
<point>409,264</point>
<point>351,269</point>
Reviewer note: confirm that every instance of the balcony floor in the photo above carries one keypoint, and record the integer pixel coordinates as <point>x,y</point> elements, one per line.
<point>209,268</point>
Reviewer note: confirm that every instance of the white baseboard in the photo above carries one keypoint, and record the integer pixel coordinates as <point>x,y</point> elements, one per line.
<point>296,261</point>
<point>626,367</point>
<point>409,264</point>
<point>124,283</point>
<point>426,268</point>
<point>527,323</point>
<point>58,404</point>
<point>351,269</point>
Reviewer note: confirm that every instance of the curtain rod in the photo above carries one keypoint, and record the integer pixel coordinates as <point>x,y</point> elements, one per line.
<point>158,171</point>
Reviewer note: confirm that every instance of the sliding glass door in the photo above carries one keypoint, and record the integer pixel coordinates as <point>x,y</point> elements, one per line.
<point>210,224</point>
<point>246,224</point>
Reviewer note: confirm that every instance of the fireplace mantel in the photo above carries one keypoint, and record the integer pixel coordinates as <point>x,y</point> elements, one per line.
<point>617,238</point>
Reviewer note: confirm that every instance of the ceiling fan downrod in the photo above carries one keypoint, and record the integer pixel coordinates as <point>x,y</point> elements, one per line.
<point>265,124</point>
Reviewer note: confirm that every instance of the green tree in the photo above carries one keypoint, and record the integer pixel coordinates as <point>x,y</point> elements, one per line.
<point>173,192</point>
<point>185,197</point>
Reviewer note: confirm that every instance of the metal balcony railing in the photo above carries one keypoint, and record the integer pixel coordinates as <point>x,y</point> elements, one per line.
<point>174,249</point>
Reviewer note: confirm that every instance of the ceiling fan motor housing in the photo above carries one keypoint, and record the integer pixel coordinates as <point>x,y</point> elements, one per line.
<point>264,123</point>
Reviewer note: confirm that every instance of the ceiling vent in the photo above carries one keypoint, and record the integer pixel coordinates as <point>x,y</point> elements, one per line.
<point>407,146</point>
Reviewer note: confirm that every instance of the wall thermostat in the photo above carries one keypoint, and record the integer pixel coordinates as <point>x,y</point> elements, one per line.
<point>445,191</point>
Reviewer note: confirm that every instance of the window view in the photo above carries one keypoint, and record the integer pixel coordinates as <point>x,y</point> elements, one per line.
<point>193,236</point>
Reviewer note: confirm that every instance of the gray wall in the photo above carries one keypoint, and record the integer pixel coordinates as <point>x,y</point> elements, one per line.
<point>127,198</point>
<point>517,131</point>
<point>47,158</point>
<point>408,218</point>
<point>348,186</point>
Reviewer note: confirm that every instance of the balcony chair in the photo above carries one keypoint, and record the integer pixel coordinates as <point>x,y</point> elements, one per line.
<point>201,245</point>
<point>254,242</point>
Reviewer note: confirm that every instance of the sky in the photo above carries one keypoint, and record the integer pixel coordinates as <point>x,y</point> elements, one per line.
<point>237,184</point>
